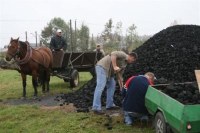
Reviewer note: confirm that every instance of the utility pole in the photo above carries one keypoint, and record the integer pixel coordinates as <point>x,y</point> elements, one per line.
<point>92,43</point>
<point>26,35</point>
<point>71,35</point>
<point>36,38</point>
<point>75,35</point>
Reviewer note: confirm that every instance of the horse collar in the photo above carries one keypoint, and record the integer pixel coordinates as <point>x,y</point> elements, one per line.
<point>27,56</point>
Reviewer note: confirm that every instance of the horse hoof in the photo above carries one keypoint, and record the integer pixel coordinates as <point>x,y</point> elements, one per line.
<point>35,97</point>
<point>23,98</point>
<point>39,99</point>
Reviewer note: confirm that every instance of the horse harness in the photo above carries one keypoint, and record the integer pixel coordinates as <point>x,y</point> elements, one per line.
<point>27,56</point>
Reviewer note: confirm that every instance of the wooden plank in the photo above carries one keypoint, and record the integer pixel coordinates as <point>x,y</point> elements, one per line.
<point>197,74</point>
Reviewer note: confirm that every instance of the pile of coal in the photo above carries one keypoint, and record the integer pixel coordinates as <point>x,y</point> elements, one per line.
<point>83,97</point>
<point>172,54</point>
<point>187,93</point>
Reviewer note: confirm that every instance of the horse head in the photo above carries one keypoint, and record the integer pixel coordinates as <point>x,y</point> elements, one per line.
<point>13,49</point>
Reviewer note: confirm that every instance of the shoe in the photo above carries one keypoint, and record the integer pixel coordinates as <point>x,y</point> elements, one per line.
<point>113,108</point>
<point>144,118</point>
<point>98,112</point>
<point>129,124</point>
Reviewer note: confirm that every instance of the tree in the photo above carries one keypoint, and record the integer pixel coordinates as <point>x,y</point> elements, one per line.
<point>133,40</point>
<point>175,22</point>
<point>118,35</point>
<point>132,35</point>
<point>83,37</point>
<point>107,36</point>
<point>52,26</point>
<point>92,43</point>
<point>107,33</point>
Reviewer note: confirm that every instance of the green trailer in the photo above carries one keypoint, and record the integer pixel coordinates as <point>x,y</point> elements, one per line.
<point>170,114</point>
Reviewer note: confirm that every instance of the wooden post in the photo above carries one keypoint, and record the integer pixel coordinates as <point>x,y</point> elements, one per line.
<point>26,35</point>
<point>71,35</point>
<point>36,38</point>
<point>91,44</point>
<point>75,35</point>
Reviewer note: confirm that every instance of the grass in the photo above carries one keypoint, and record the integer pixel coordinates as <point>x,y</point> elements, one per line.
<point>29,119</point>
<point>11,84</point>
<point>36,119</point>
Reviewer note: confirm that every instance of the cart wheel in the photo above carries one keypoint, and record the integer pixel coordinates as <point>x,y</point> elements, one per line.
<point>160,124</point>
<point>74,81</point>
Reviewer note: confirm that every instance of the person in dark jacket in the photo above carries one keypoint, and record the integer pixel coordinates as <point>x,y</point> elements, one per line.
<point>99,50</point>
<point>58,42</point>
<point>58,45</point>
<point>134,101</point>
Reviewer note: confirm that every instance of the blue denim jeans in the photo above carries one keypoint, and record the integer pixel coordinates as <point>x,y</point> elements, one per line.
<point>130,116</point>
<point>103,82</point>
<point>127,118</point>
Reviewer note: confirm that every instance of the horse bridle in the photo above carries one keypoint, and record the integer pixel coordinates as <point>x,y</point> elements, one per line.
<point>27,56</point>
<point>17,52</point>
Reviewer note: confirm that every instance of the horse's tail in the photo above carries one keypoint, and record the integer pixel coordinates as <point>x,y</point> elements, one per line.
<point>42,76</point>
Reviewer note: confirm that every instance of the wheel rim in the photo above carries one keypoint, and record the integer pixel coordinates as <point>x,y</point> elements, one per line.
<point>159,126</point>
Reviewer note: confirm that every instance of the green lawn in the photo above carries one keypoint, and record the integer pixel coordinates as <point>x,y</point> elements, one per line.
<point>11,84</point>
<point>36,119</point>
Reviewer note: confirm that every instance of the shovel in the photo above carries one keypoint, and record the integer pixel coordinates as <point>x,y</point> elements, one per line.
<point>120,82</point>
<point>184,83</point>
<point>197,74</point>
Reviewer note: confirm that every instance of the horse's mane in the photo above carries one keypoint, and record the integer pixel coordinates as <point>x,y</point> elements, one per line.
<point>22,43</point>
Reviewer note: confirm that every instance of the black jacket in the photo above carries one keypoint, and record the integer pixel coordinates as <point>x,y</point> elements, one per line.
<point>134,100</point>
<point>57,43</point>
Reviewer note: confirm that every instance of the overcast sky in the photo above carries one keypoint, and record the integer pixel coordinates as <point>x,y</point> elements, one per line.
<point>150,16</point>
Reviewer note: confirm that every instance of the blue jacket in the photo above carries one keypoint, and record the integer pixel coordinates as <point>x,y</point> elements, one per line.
<point>134,100</point>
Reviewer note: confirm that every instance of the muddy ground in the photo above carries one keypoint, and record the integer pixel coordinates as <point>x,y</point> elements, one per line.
<point>52,102</point>
<point>45,102</point>
<point>41,101</point>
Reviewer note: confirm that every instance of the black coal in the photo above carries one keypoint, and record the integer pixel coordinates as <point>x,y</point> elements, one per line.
<point>173,54</point>
<point>186,94</point>
<point>83,98</point>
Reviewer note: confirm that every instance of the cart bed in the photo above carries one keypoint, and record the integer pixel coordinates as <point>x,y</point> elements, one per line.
<point>176,114</point>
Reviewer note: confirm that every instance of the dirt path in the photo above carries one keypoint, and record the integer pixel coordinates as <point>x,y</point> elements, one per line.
<point>48,100</point>
<point>53,102</point>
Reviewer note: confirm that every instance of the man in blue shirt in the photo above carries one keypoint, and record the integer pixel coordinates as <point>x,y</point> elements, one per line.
<point>134,101</point>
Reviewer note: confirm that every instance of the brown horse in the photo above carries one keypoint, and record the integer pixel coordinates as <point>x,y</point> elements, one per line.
<point>35,62</point>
